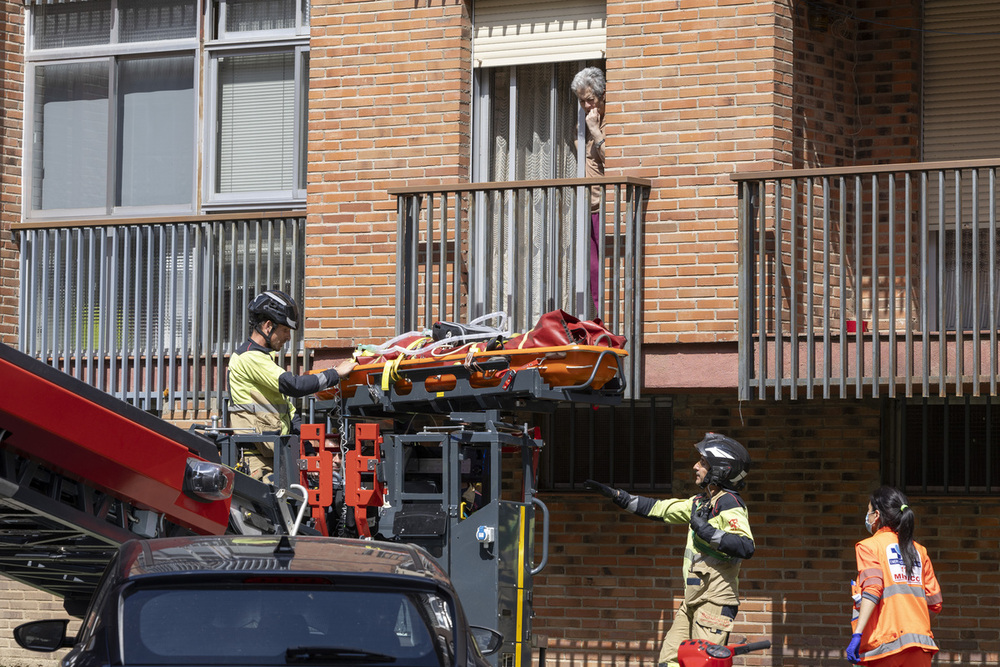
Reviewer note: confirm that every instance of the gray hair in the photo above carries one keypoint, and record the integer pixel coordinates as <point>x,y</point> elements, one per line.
<point>589,77</point>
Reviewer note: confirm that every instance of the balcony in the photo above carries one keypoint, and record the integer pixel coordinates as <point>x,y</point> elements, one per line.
<point>869,281</point>
<point>522,247</point>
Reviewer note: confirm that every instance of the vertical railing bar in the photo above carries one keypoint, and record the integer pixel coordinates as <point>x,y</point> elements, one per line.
<point>42,299</point>
<point>442,308</point>
<point>528,284</point>
<point>762,286</point>
<point>632,333</point>
<point>456,262</point>
<point>638,228</point>
<point>842,279</point>
<point>161,234</point>
<point>959,324</point>
<point>793,294</point>
<point>117,303</point>
<point>745,291</point>
<point>402,261</point>
<point>67,291</point>
<point>942,329</point>
<point>186,356</point>
<point>78,318</point>
<point>924,297</point>
<point>286,270</point>
<point>619,302</point>
<point>942,325</point>
<point>827,349</point>
<point>892,286</point>
<point>230,230</point>
<point>602,230</point>
<point>811,288</point>
<point>779,359</point>
<point>976,360</point>
<point>66,242</point>
<point>96,326</point>
<point>414,264</point>
<point>908,282</point>
<point>137,312</point>
<point>24,296</point>
<point>992,283</point>
<point>858,281</point>
<point>175,295</point>
<point>873,299</point>
<point>60,311</point>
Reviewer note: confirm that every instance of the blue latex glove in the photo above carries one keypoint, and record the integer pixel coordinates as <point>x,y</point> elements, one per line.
<point>852,648</point>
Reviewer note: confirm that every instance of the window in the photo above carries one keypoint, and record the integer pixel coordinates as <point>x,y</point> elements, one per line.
<point>961,101</point>
<point>628,445</point>
<point>946,446</point>
<point>115,89</point>
<point>257,116</point>
<point>113,106</point>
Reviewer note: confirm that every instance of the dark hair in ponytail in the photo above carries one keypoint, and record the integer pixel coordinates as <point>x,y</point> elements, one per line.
<point>894,513</point>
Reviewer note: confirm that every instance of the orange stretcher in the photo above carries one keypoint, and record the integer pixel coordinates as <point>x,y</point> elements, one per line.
<point>566,352</point>
<point>578,366</point>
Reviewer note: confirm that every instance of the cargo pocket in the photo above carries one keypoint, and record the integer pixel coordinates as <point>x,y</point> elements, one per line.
<point>717,625</point>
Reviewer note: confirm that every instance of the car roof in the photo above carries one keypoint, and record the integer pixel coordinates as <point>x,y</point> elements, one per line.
<point>275,555</point>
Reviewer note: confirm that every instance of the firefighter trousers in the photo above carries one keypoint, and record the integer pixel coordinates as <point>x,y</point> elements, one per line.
<point>706,620</point>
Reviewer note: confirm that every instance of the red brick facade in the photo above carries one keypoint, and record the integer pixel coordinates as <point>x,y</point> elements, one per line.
<point>697,90</point>
<point>11,130</point>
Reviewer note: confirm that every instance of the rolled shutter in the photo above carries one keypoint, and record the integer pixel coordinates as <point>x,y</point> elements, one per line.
<point>516,32</point>
<point>961,100</point>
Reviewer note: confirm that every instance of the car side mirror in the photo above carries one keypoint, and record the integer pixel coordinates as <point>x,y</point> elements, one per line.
<point>43,636</point>
<point>489,641</point>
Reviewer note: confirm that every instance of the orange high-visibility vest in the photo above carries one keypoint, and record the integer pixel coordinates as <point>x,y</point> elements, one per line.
<point>901,618</point>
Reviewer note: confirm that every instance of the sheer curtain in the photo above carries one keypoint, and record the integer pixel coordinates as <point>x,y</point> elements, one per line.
<point>532,136</point>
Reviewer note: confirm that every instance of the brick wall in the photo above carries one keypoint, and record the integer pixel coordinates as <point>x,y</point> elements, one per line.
<point>12,27</point>
<point>613,579</point>
<point>389,106</point>
<point>18,604</point>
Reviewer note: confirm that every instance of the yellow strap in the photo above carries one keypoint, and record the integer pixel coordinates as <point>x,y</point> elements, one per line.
<point>390,372</point>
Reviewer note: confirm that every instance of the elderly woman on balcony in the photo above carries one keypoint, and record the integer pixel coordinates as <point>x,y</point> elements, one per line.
<point>589,86</point>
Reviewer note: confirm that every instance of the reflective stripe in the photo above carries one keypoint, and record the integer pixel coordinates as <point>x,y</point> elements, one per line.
<point>903,641</point>
<point>258,409</point>
<point>903,589</point>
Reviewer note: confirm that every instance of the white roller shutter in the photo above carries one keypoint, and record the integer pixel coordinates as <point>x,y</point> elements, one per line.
<point>961,99</point>
<point>515,32</point>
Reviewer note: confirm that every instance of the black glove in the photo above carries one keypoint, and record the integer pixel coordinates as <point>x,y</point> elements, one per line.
<point>619,497</point>
<point>699,519</point>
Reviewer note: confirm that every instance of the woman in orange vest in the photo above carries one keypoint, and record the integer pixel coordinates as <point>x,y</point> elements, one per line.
<point>895,592</point>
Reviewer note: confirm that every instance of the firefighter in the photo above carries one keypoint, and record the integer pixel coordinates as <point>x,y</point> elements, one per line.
<point>896,591</point>
<point>260,390</point>
<point>718,541</point>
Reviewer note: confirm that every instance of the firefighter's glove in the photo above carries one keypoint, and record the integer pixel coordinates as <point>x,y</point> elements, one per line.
<point>852,648</point>
<point>699,522</point>
<point>618,496</point>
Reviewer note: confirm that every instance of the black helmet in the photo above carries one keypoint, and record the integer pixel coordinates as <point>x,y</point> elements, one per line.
<point>728,460</point>
<point>276,306</point>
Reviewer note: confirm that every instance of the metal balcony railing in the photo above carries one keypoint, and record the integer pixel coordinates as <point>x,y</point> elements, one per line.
<point>150,312</point>
<point>867,281</point>
<point>522,247</point>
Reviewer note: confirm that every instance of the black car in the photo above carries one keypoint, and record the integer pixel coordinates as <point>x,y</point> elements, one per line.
<point>257,600</point>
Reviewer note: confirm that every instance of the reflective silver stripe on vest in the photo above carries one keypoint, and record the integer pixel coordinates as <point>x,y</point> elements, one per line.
<point>258,409</point>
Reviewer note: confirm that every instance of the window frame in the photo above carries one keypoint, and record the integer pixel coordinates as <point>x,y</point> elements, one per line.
<point>279,198</point>
<point>112,53</point>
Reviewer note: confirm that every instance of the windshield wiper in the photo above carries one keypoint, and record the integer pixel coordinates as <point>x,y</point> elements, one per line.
<point>334,654</point>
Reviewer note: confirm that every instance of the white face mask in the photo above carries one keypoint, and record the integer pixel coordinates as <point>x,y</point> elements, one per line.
<point>868,524</point>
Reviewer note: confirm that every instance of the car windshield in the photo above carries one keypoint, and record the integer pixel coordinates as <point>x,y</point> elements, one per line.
<point>271,625</point>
